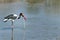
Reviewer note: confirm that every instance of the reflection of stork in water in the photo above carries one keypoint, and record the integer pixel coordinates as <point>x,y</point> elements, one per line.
<point>12,17</point>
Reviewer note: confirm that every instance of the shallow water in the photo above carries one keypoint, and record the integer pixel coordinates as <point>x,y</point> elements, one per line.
<point>43,22</point>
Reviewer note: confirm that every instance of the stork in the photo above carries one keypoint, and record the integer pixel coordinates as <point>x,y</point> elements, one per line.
<point>11,18</point>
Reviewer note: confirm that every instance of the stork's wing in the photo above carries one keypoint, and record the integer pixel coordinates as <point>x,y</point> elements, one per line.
<point>7,17</point>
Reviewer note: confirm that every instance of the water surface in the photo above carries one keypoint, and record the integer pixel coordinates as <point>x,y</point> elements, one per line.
<point>43,21</point>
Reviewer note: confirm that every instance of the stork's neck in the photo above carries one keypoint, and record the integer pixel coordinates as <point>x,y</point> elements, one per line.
<point>19,17</point>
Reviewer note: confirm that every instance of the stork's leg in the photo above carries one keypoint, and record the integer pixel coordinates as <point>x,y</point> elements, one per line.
<point>12,31</point>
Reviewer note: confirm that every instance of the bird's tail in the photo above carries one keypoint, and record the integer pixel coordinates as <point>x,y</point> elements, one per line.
<point>5,20</point>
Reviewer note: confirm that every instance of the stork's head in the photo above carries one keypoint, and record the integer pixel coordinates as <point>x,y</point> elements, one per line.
<point>21,14</point>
